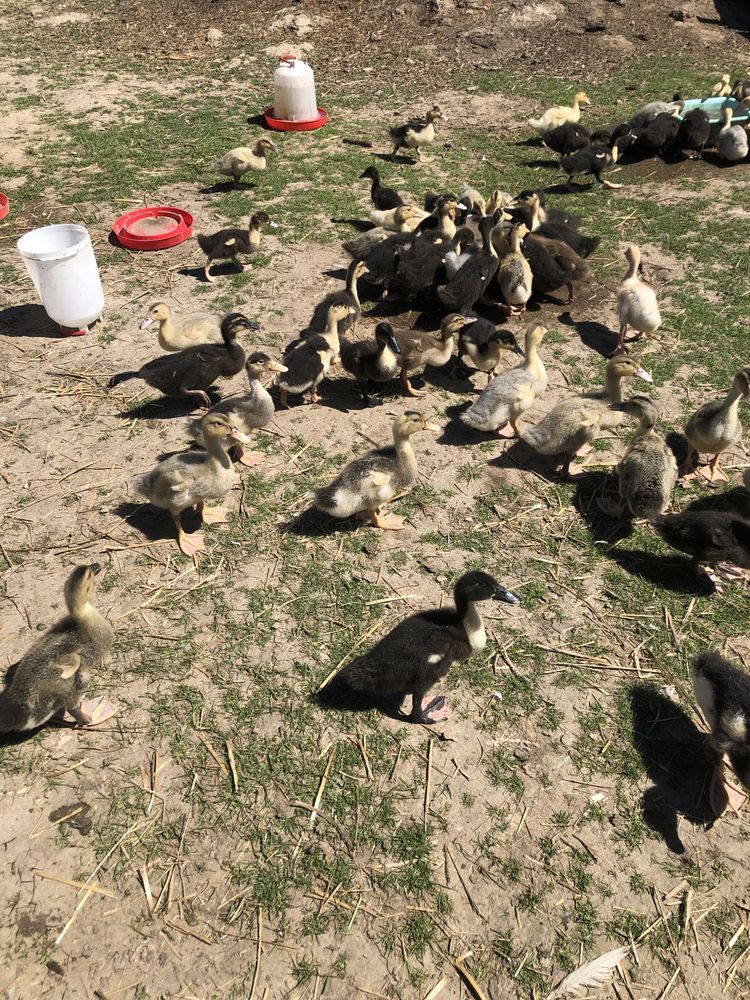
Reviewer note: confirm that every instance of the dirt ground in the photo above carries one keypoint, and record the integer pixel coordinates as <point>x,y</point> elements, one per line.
<point>127,851</point>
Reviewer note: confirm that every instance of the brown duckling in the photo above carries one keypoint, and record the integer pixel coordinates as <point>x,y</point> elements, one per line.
<point>416,133</point>
<point>238,161</point>
<point>228,244</point>
<point>427,347</point>
<point>716,426</point>
<point>309,359</point>
<point>51,678</point>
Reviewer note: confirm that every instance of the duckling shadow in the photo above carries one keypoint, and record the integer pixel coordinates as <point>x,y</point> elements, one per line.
<point>362,225</point>
<point>444,378</point>
<point>313,523</point>
<point>223,187</point>
<point>732,501</point>
<point>151,522</point>
<point>549,162</point>
<point>595,336</point>
<point>672,573</point>
<point>259,121</point>
<point>387,308</point>
<point>28,320</point>
<point>520,456</point>
<point>456,434</point>
<point>677,759</point>
<point>167,408</point>
<point>602,527</point>
<point>533,140</point>
<point>339,697</point>
<point>404,161</point>
<point>336,272</point>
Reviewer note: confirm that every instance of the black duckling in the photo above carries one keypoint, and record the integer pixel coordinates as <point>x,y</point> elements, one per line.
<point>720,539</point>
<point>347,296</point>
<point>193,370</point>
<point>420,650</point>
<point>693,132</point>
<point>383,260</point>
<point>383,198</point>
<point>309,359</point>
<point>723,693</point>
<point>591,161</point>
<point>741,90</point>
<point>566,139</point>
<point>228,244</point>
<point>583,245</point>
<point>416,133</point>
<point>364,485</point>
<point>373,360</point>
<point>420,267</point>
<point>465,288</point>
<point>51,678</point>
<point>654,137</point>
<point>484,344</point>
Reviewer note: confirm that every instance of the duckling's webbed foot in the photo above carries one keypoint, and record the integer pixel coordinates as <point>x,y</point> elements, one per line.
<point>189,544</point>
<point>212,515</point>
<point>386,522</point>
<point>723,794</point>
<point>200,393</point>
<point>715,472</point>
<point>409,388</point>
<point>91,713</point>
<point>730,572</point>
<point>251,458</point>
<point>207,272</point>
<point>427,711</point>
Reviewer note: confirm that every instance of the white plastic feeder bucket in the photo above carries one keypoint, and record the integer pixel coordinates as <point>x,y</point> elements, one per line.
<point>62,265</point>
<point>294,91</point>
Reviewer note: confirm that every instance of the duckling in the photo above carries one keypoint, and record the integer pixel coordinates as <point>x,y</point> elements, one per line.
<point>566,139</point>
<point>652,110</point>
<point>591,160</point>
<point>427,347</point>
<point>723,692</point>
<point>512,393</point>
<point>51,678</point>
<point>568,266</point>
<point>421,266</point>
<point>383,260</point>
<point>573,424</point>
<point>348,296</point>
<point>372,360</point>
<point>178,332</point>
<point>462,248</point>
<point>238,161</point>
<point>720,539</point>
<point>365,484</point>
<point>647,470</point>
<point>191,371</point>
<point>473,200</point>
<point>443,218</point>
<point>723,88</point>
<point>560,115</point>
<point>407,218</point>
<point>191,478</point>
<point>741,90</point>
<point>249,412</point>
<point>309,360</point>
<point>228,244</point>
<point>498,200</point>
<point>416,133</point>
<point>514,274</point>
<point>637,305</point>
<point>484,343</point>
<point>716,426</point>
<point>544,212</point>
<point>403,219</point>
<point>655,135</point>
<point>731,142</point>
<point>419,651</point>
<point>693,132</point>
<point>466,287</point>
<point>383,198</point>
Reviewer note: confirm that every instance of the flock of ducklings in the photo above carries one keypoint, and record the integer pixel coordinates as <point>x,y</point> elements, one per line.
<point>452,255</point>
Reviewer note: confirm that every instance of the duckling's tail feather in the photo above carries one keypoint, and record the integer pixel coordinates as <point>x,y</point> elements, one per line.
<point>121,377</point>
<point>537,123</point>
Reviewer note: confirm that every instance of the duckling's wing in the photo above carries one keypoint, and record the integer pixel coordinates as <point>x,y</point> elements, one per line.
<point>68,665</point>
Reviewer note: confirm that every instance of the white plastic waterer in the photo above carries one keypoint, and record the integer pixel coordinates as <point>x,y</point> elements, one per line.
<point>294,97</point>
<point>61,262</point>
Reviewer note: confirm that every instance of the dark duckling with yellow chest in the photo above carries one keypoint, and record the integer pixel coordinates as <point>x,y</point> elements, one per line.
<point>419,652</point>
<point>373,360</point>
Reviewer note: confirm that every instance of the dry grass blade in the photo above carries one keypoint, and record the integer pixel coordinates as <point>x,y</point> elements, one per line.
<point>597,972</point>
<point>77,885</point>
<point>476,990</point>
<point>322,786</point>
<point>437,988</point>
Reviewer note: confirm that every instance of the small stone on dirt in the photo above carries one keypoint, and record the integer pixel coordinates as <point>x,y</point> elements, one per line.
<point>214,36</point>
<point>678,14</point>
<point>593,26</point>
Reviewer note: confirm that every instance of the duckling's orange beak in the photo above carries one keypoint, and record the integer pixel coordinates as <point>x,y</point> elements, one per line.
<point>274,366</point>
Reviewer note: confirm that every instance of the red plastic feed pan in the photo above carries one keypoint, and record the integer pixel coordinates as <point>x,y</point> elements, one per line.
<point>4,205</point>
<point>282,125</point>
<point>153,228</point>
